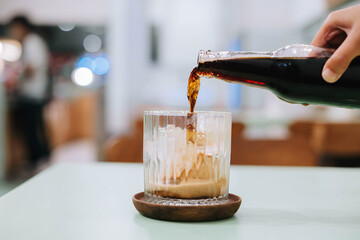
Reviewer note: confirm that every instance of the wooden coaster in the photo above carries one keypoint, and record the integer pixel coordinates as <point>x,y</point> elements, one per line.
<point>187,213</point>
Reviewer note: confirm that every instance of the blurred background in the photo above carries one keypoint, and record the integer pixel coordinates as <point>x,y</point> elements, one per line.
<point>104,62</point>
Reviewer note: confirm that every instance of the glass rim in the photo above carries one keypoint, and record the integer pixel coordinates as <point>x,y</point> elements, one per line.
<point>184,113</point>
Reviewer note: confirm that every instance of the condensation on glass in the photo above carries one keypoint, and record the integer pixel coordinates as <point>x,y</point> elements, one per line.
<point>180,171</point>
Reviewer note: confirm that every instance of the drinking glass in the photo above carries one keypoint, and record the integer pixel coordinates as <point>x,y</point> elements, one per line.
<point>186,157</point>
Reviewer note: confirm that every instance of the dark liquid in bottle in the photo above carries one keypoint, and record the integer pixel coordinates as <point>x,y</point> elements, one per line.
<point>296,80</point>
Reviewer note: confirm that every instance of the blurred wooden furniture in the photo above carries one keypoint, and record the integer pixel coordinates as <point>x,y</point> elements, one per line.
<point>237,129</point>
<point>337,138</point>
<point>337,144</point>
<point>293,151</point>
<point>127,148</point>
<point>301,129</point>
<point>290,152</point>
<point>73,119</point>
<point>130,147</point>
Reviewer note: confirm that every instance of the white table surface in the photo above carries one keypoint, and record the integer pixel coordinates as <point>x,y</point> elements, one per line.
<point>93,201</point>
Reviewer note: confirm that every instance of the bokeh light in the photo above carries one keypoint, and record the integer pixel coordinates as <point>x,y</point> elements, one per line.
<point>86,62</point>
<point>2,65</point>
<point>100,65</point>
<point>1,47</point>
<point>66,27</point>
<point>92,43</point>
<point>82,76</point>
<point>10,50</point>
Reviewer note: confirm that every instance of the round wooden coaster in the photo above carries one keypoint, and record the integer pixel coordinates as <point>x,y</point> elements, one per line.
<point>187,213</point>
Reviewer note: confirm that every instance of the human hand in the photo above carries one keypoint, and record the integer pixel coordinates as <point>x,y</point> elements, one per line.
<point>341,30</point>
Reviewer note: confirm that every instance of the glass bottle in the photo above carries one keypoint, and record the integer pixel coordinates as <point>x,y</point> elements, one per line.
<point>293,73</point>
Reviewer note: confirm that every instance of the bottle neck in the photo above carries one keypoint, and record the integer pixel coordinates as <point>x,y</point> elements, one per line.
<point>210,56</point>
<point>291,51</point>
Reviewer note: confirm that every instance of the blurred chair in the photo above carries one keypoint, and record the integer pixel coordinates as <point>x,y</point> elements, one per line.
<point>301,129</point>
<point>338,144</point>
<point>335,144</point>
<point>293,151</point>
<point>337,138</point>
<point>289,152</point>
<point>73,119</point>
<point>127,148</point>
<point>237,129</point>
<point>123,149</point>
<point>310,144</point>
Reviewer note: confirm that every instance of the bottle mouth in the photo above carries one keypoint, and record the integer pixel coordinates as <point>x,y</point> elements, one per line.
<point>291,51</point>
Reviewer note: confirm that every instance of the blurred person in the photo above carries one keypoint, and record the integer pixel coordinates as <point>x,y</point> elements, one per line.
<point>341,30</point>
<point>31,91</point>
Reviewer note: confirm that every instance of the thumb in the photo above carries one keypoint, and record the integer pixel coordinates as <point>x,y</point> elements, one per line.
<point>337,64</point>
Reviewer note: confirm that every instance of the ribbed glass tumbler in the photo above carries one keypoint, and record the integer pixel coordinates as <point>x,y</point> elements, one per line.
<point>186,157</point>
